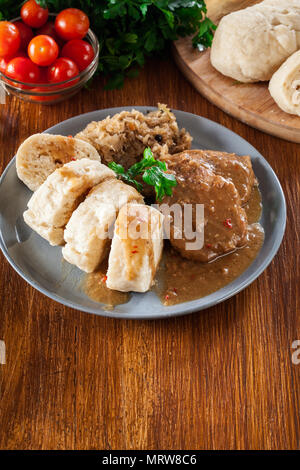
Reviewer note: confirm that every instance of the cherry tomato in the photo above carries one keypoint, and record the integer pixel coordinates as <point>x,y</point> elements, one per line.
<point>40,98</point>
<point>63,69</point>
<point>10,39</point>
<point>72,24</point>
<point>49,30</point>
<point>43,50</point>
<point>5,60</point>
<point>26,34</point>
<point>3,65</point>
<point>43,75</point>
<point>22,69</point>
<point>81,52</point>
<point>33,14</point>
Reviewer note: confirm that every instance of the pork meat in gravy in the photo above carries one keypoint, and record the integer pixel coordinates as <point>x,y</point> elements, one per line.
<point>237,169</point>
<point>204,177</point>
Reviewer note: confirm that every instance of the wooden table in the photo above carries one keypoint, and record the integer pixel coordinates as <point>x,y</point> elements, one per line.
<point>222,378</point>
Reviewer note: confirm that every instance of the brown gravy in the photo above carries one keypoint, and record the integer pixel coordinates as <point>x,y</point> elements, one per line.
<point>94,286</point>
<point>253,207</point>
<point>180,280</point>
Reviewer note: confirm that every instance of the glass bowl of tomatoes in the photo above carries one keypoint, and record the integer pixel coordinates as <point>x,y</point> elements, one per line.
<point>50,67</point>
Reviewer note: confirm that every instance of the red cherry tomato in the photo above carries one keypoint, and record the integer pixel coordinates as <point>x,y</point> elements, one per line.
<point>10,39</point>
<point>72,24</point>
<point>5,60</point>
<point>63,69</point>
<point>81,52</point>
<point>33,14</point>
<point>49,30</point>
<point>43,50</point>
<point>43,98</point>
<point>3,65</point>
<point>26,34</point>
<point>22,69</point>
<point>43,75</point>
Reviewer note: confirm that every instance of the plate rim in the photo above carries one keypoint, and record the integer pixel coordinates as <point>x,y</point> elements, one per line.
<point>188,309</point>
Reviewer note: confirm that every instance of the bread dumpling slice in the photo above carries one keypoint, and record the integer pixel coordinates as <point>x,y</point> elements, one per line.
<point>284,85</point>
<point>52,205</point>
<point>41,154</point>
<point>136,248</point>
<point>88,230</point>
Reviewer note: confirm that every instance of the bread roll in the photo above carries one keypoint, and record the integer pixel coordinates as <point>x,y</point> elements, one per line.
<point>249,45</point>
<point>41,154</point>
<point>284,86</point>
<point>87,232</point>
<point>51,206</point>
<point>136,248</point>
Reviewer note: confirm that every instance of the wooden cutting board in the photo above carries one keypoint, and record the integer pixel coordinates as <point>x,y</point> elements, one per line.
<point>250,103</point>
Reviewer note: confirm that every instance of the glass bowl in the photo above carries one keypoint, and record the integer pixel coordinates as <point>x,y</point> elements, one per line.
<point>50,93</point>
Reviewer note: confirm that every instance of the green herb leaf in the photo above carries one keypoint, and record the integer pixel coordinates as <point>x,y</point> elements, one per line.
<point>153,171</point>
<point>119,169</point>
<point>205,35</point>
<point>162,182</point>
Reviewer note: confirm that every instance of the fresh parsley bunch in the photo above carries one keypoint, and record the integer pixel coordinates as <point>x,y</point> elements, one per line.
<point>153,171</point>
<point>131,30</point>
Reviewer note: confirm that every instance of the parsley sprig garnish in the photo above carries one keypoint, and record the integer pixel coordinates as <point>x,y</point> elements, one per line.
<point>153,173</point>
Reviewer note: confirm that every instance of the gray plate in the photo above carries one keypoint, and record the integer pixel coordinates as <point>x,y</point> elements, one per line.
<point>41,265</point>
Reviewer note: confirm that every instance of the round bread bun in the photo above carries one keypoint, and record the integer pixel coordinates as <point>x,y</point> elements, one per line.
<point>41,154</point>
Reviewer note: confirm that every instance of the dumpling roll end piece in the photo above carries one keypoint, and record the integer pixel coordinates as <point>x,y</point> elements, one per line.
<point>284,85</point>
<point>136,248</point>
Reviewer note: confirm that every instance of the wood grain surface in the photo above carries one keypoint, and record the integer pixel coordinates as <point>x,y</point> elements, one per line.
<point>222,378</point>
<point>249,102</point>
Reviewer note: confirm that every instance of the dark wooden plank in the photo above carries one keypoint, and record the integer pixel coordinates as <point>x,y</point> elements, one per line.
<point>219,379</point>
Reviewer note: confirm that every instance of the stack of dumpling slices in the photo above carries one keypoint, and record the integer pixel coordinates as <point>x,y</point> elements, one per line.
<point>80,204</point>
